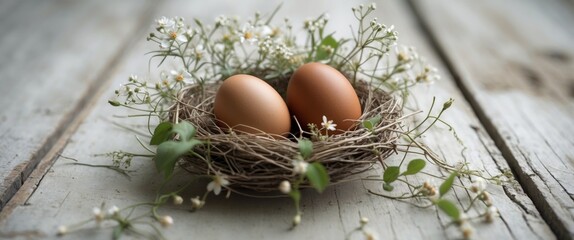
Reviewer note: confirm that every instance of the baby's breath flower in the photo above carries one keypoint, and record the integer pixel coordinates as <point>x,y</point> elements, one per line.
<point>370,234</point>
<point>165,221</point>
<point>364,221</point>
<point>217,183</point>
<point>467,230</point>
<point>297,220</point>
<point>328,124</point>
<point>218,47</point>
<point>300,166</point>
<point>478,185</point>
<point>164,22</point>
<point>285,187</point>
<point>373,6</point>
<point>98,214</point>
<point>177,200</point>
<point>62,230</point>
<point>490,214</point>
<point>247,34</point>
<point>197,203</point>
<point>113,211</point>
<point>221,20</point>
<point>181,76</point>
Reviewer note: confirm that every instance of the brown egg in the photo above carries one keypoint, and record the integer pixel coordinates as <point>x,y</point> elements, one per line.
<point>248,104</point>
<point>316,90</point>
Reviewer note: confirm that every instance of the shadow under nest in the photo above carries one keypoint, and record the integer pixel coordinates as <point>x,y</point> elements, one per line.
<point>258,163</point>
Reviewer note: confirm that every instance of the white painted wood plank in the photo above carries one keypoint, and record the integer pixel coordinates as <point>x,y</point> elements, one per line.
<point>515,59</point>
<point>54,54</point>
<point>67,193</point>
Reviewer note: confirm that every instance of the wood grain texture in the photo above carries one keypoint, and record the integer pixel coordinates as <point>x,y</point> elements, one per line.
<point>67,193</point>
<point>514,61</point>
<point>53,58</point>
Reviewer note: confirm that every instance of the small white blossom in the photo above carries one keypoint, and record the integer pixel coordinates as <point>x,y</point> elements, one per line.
<point>177,200</point>
<point>165,22</point>
<point>248,34</point>
<point>218,47</point>
<point>296,219</point>
<point>98,214</point>
<point>221,20</point>
<point>328,124</point>
<point>364,221</point>
<point>62,230</point>
<point>166,221</point>
<point>113,211</point>
<point>300,166</point>
<point>467,230</point>
<point>478,185</point>
<point>491,213</point>
<point>180,76</point>
<point>370,234</point>
<point>373,6</point>
<point>197,203</point>
<point>285,187</point>
<point>216,184</point>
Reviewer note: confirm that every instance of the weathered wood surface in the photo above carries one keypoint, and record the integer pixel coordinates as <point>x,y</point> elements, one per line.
<point>67,193</point>
<point>515,62</point>
<point>54,57</point>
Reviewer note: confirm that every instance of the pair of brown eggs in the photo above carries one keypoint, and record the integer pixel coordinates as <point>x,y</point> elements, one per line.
<point>248,104</point>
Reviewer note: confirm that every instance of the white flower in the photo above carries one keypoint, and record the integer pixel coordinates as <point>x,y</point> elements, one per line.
<point>216,184</point>
<point>296,219</point>
<point>197,203</point>
<point>364,221</point>
<point>166,221</point>
<point>62,230</point>
<point>165,22</point>
<point>370,234</point>
<point>113,210</point>
<point>285,187</point>
<point>329,125</point>
<point>180,76</point>
<point>218,47</point>
<point>171,34</point>
<point>98,214</point>
<point>221,20</point>
<point>263,32</point>
<point>478,185</point>
<point>467,230</point>
<point>177,200</point>
<point>248,34</point>
<point>373,6</point>
<point>300,166</point>
<point>491,213</point>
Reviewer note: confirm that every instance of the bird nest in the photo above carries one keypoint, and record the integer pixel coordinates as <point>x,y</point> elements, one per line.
<point>261,162</point>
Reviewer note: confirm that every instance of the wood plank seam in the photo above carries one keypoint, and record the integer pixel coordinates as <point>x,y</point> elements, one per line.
<point>57,141</point>
<point>527,183</point>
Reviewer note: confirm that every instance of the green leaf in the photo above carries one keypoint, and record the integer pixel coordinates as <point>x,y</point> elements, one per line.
<point>169,152</point>
<point>322,53</point>
<point>317,176</point>
<point>449,208</point>
<point>447,184</point>
<point>305,148</point>
<point>388,187</point>
<point>372,122</point>
<point>185,130</point>
<point>391,174</point>
<point>415,166</point>
<point>161,133</point>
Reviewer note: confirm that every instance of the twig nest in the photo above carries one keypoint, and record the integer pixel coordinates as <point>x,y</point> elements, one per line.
<point>261,162</point>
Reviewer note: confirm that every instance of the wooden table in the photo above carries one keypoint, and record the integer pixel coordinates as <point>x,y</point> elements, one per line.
<point>509,65</point>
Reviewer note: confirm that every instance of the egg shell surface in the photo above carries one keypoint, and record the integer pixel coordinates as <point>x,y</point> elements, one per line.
<point>316,90</point>
<point>250,105</point>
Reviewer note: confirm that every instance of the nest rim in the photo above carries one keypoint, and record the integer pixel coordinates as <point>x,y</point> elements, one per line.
<point>256,164</point>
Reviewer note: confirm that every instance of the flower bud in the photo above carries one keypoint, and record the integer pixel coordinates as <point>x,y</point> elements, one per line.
<point>285,187</point>
<point>177,200</point>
